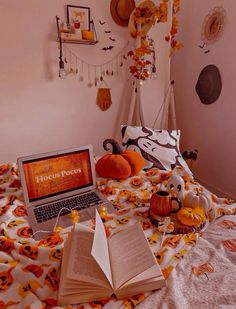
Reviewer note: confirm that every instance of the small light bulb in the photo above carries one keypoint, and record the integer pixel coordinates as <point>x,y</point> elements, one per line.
<point>62,71</point>
<point>153,74</point>
<point>103,211</point>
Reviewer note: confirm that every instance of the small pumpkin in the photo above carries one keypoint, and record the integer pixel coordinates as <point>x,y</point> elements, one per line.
<point>197,199</point>
<point>191,216</point>
<point>119,164</point>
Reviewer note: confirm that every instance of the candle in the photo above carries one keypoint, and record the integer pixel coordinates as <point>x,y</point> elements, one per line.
<point>75,216</point>
<point>57,229</point>
<point>103,211</point>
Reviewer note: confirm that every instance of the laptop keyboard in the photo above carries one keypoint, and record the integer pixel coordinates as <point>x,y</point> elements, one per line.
<point>79,202</point>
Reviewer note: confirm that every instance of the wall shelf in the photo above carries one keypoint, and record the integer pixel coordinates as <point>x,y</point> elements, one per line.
<point>72,38</point>
<point>84,42</point>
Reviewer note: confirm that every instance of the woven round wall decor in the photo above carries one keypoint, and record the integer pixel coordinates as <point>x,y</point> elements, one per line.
<point>213,25</point>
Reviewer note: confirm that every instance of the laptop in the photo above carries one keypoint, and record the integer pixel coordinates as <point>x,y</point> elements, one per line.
<point>55,183</point>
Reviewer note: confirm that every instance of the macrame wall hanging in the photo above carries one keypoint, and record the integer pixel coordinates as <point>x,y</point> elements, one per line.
<point>104,100</point>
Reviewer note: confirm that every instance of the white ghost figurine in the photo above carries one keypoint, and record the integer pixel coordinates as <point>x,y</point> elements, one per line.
<point>176,187</point>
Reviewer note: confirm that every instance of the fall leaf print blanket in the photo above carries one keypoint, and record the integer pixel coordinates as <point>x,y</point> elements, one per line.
<point>30,269</point>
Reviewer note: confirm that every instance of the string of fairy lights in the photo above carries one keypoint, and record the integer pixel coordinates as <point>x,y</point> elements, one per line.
<point>92,73</point>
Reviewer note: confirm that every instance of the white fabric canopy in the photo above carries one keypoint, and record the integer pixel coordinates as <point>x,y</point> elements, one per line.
<point>166,111</point>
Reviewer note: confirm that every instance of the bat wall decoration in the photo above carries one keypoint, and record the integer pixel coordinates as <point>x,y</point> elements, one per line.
<point>107,48</point>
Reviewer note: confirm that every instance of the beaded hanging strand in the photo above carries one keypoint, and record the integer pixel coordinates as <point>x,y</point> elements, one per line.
<point>76,65</point>
<point>71,69</point>
<point>65,57</point>
<point>112,72</point>
<point>90,84</point>
<point>96,79</point>
<point>101,74</point>
<point>107,71</point>
<point>81,79</point>
<point>117,67</point>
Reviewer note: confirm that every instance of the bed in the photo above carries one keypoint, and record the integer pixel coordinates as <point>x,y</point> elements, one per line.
<point>199,265</point>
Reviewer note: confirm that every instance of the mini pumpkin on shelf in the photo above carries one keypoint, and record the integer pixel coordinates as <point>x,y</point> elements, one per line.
<point>119,164</point>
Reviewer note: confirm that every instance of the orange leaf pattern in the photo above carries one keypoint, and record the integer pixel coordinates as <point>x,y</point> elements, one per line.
<point>202,269</point>
<point>230,244</point>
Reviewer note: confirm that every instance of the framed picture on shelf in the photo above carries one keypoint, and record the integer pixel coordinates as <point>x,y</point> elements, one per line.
<point>79,14</point>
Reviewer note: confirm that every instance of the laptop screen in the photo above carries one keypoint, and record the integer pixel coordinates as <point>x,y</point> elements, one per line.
<point>57,174</point>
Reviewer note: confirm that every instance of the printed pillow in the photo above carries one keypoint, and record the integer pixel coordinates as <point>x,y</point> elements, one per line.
<point>159,148</point>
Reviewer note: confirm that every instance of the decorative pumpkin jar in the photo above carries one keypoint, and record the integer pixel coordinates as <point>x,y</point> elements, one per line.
<point>119,164</point>
<point>161,203</point>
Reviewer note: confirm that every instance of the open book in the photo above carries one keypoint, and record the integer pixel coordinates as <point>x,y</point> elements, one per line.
<point>94,267</point>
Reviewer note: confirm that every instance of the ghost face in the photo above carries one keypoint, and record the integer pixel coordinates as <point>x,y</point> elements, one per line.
<point>156,151</point>
<point>176,187</point>
<point>164,137</point>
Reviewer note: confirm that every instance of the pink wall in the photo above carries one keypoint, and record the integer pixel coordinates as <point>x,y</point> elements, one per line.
<point>209,128</point>
<point>40,112</point>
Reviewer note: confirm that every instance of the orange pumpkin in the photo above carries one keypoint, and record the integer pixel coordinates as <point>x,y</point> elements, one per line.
<point>191,216</point>
<point>4,169</point>
<point>20,211</point>
<point>7,245</point>
<point>36,270</point>
<point>52,279</point>
<point>119,164</point>
<point>29,251</point>
<point>25,231</point>
<point>51,241</point>
<point>6,279</point>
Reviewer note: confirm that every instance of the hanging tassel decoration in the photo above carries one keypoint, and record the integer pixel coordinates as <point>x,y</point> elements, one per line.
<point>104,100</point>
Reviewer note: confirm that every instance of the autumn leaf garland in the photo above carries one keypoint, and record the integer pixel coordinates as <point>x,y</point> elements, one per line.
<point>141,65</point>
<point>174,45</point>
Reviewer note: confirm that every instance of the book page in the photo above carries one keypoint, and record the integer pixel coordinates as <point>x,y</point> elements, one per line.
<point>100,248</point>
<point>152,274</point>
<point>130,254</point>
<point>144,286</point>
<point>81,265</point>
<point>64,263</point>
